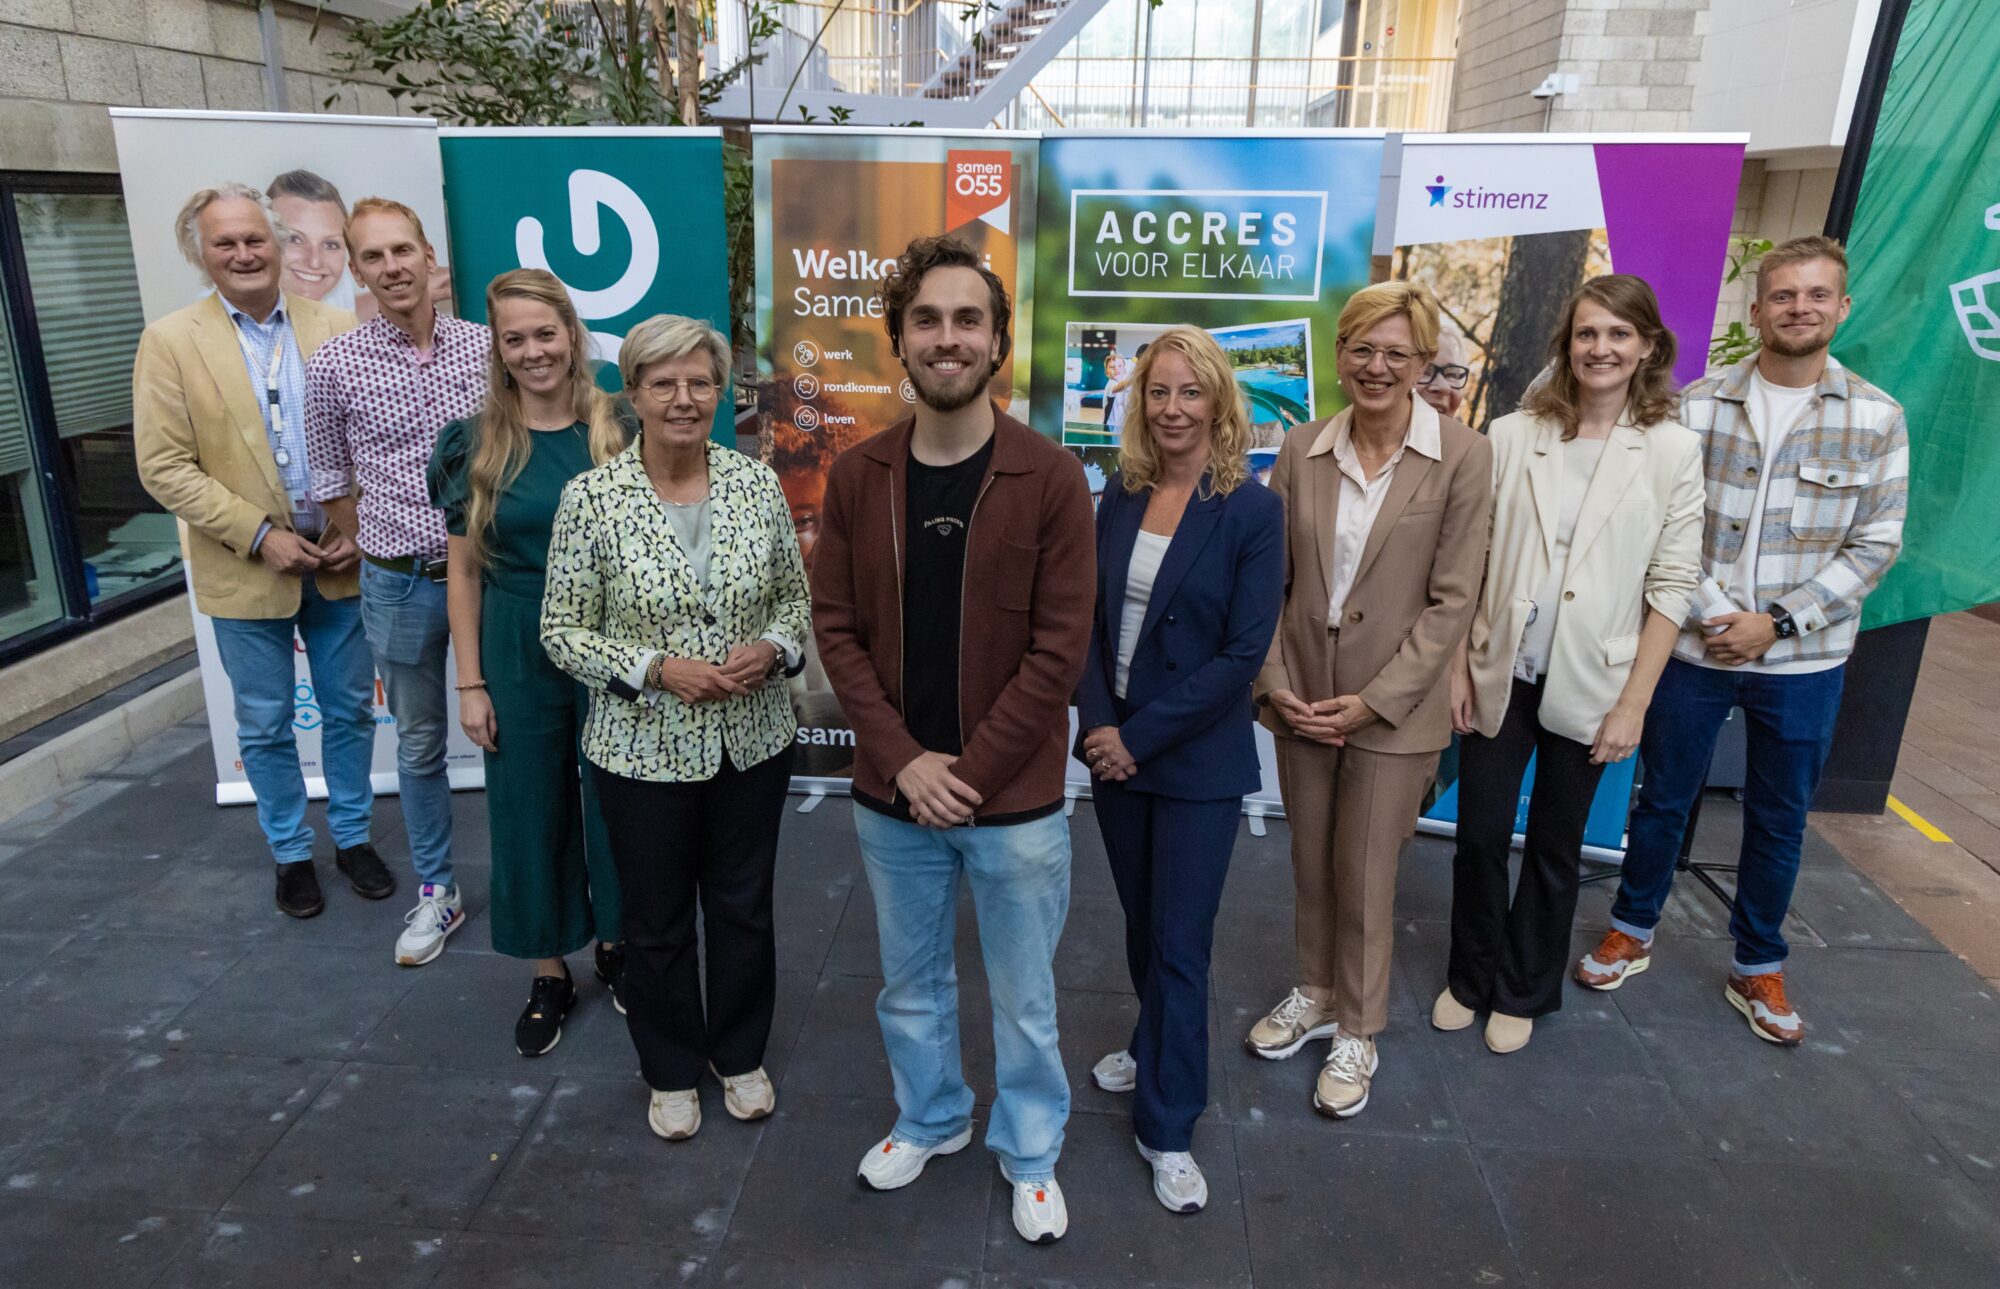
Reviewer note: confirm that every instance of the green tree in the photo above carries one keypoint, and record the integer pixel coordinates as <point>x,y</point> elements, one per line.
<point>567,62</point>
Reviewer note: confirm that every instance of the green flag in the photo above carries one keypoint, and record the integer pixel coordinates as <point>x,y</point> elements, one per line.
<point>1925,250</point>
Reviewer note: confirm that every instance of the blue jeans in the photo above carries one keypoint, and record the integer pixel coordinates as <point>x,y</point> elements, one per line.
<point>408,632</point>
<point>1020,891</point>
<point>1789,721</point>
<point>257,656</point>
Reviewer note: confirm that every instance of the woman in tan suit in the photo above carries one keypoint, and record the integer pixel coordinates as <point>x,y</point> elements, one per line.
<point>1596,549</point>
<point>1386,519</point>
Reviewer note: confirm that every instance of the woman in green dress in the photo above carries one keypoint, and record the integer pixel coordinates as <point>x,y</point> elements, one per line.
<point>498,477</point>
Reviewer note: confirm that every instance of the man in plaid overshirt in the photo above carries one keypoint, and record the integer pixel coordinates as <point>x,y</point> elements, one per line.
<point>1807,473</point>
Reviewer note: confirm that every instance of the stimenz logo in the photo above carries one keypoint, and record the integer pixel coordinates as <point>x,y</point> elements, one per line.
<point>1442,194</point>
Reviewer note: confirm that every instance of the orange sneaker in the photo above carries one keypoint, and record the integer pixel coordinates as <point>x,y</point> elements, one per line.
<point>1761,999</point>
<point>1616,956</point>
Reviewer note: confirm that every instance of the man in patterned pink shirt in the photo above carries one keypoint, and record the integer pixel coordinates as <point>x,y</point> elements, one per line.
<point>376,399</point>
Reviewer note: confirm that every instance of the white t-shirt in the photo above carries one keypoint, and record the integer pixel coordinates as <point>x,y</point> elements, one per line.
<point>1147,552</point>
<point>1580,458</point>
<point>1772,411</point>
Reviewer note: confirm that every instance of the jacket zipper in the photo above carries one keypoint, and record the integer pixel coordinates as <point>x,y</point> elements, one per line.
<point>970,515</point>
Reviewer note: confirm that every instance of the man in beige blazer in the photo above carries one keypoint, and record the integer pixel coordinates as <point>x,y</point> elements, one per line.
<point>218,392</point>
<point>1386,521</point>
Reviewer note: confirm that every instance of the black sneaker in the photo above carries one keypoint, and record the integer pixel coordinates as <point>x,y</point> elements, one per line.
<point>298,890</point>
<point>365,871</point>
<point>540,1026</point>
<point>611,970</point>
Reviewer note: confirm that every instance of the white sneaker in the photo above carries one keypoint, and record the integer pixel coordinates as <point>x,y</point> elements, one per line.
<point>676,1116</point>
<point>893,1163</point>
<point>438,913</point>
<point>1039,1212</point>
<point>747,1096</point>
<point>1116,1072</point>
<point>1177,1180</point>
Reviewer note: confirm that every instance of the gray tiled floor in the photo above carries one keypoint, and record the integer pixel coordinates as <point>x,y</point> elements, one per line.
<point>196,1091</point>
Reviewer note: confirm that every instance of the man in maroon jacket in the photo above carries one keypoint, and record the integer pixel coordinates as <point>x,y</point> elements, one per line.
<point>952,590</point>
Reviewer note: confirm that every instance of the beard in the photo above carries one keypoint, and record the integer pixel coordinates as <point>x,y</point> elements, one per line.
<point>947,394</point>
<point>1806,348</point>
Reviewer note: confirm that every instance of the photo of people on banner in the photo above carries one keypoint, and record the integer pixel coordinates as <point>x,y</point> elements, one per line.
<point>827,376</point>
<point>311,171</point>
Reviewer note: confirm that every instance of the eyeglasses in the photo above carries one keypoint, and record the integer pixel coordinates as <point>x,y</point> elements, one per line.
<point>664,390</point>
<point>1364,356</point>
<point>1448,373</point>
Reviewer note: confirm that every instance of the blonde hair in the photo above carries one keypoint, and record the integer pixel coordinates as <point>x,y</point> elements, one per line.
<point>501,450</point>
<point>1800,250</point>
<point>1228,440</point>
<point>1384,300</point>
<point>384,206</point>
<point>668,335</point>
<point>187,224</point>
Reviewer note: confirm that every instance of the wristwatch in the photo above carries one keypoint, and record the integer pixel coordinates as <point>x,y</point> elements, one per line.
<point>1783,622</point>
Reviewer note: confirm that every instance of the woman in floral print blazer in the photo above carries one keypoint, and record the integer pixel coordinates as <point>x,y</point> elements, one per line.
<point>676,592</point>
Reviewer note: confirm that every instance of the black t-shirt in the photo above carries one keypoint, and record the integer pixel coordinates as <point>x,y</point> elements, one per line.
<point>940,505</point>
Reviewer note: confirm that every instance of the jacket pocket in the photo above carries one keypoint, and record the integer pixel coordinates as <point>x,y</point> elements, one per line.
<point>1620,650</point>
<point>1016,589</point>
<point>1827,495</point>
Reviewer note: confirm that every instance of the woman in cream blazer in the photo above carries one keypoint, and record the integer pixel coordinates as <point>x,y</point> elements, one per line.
<point>1596,549</point>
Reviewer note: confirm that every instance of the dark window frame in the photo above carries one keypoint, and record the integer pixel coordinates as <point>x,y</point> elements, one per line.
<point>58,492</point>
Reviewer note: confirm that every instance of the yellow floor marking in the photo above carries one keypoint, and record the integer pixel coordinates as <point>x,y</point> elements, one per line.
<point>1917,821</point>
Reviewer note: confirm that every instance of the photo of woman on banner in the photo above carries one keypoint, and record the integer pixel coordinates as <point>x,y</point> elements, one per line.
<point>801,456</point>
<point>1597,514</point>
<point>315,237</point>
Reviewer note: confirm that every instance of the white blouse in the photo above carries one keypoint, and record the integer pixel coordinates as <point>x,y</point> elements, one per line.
<point>1147,554</point>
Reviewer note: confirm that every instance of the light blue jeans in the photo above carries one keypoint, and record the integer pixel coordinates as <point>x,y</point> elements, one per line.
<point>408,632</point>
<point>1020,890</point>
<point>258,657</point>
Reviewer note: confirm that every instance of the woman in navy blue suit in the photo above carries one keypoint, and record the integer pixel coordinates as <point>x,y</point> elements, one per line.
<point>1190,579</point>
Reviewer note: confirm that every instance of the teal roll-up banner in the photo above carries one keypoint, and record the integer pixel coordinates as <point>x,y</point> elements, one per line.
<point>630,219</point>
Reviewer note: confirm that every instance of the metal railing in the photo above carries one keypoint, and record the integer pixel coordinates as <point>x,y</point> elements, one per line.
<point>1362,92</point>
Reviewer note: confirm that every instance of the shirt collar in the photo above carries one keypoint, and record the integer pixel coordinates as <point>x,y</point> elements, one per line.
<point>1425,435</point>
<point>242,316</point>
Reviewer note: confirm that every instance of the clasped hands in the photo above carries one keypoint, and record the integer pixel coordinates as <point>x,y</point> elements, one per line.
<point>694,681</point>
<point>284,551</point>
<point>1328,721</point>
<point>1105,753</point>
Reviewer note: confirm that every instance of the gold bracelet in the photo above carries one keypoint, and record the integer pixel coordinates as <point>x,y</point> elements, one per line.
<point>470,684</point>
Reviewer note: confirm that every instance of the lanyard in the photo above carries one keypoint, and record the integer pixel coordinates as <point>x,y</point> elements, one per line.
<point>276,408</point>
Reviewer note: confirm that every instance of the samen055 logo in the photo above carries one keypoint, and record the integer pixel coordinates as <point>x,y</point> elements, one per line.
<point>1978,312</point>
<point>589,192</point>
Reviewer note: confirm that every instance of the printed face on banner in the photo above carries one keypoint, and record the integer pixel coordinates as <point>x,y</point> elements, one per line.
<point>1140,234</point>
<point>630,221</point>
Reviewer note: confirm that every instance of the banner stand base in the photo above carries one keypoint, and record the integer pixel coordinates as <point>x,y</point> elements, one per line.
<point>813,797</point>
<point>1601,854</point>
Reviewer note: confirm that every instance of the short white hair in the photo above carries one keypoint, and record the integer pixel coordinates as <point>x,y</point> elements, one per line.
<point>669,335</point>
<point>187,224</point>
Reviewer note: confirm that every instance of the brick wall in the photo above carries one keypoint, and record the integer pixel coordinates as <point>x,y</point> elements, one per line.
<point>63,61</point>
<point>1635,62</point>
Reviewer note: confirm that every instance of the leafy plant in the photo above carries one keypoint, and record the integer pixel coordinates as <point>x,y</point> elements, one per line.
<point>1736,342</point>
<point>562,62</point>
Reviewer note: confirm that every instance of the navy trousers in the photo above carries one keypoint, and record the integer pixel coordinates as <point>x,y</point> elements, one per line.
<point>1169,858</point>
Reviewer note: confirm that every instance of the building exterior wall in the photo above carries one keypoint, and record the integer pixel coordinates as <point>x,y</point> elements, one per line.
<point>62,62</point>
<point>1635,62</point>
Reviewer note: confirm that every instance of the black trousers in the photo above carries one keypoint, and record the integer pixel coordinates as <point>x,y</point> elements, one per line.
<point>715,841</point>
<point>1506,957</point>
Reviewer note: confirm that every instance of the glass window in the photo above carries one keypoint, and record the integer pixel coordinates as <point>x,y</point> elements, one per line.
<point>86,297</point>
<point>29,594</point>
